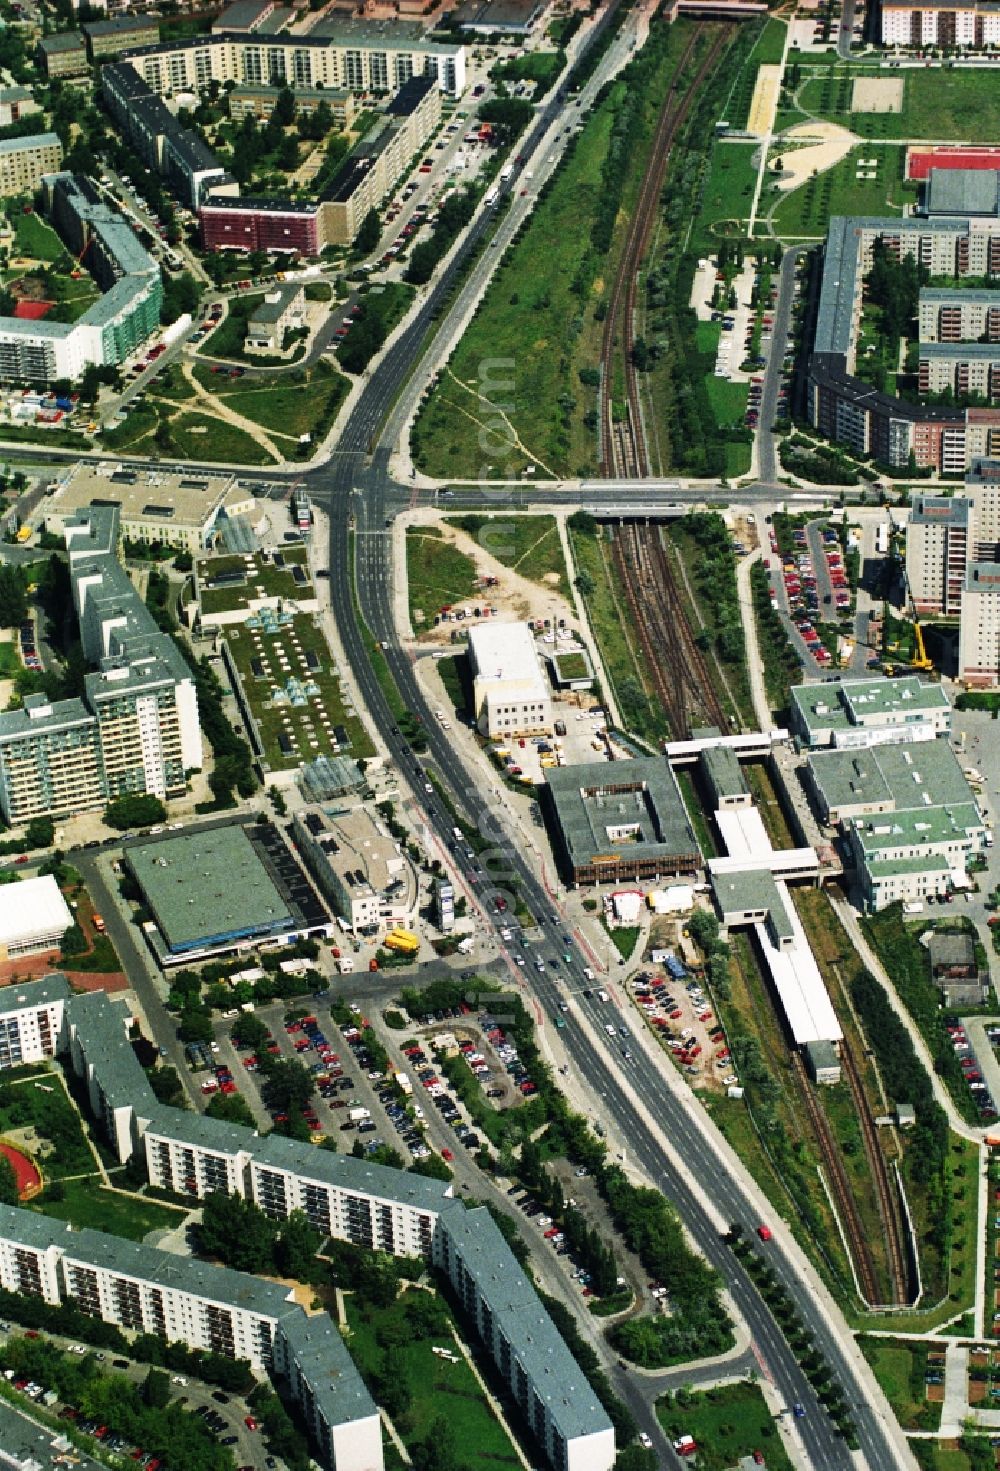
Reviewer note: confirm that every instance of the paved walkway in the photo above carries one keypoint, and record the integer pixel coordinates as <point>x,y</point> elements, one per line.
<point>755,662</point>
<point>607,688</point>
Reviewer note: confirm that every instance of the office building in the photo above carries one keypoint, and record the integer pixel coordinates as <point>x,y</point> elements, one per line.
<point>124,317</point>
<point>280,312</point>
<point>937,553</point>
<point>136,729</point>
<point>874,780</point>
<point>25,161</point>
<point>354,1200</point>
<point>182,509</point>
<point>868,711</point>
<point>34,916</point>
<point>619,821</point>
<point>510,693</point>
<point>359,867</point>
<point>64,55</point>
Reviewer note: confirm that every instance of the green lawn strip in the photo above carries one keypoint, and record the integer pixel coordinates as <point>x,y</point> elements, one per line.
<point>291,408</point>
<point>202,437</point>
<point>937,104</point>
<point>727,1423</point>
<point>529,545</point>
<point>949,1455</point>
<point>9,662</point>
<point>88,1203</point>
<point>271,718</point>
<point>436,1387</point>
<point>536,66</point>
<point>767,50</point>
<point>141,422</point>
<point>807,209</point>
<point>616,637</point>
<point>537,327</point>
<point>55,438</point>
<point>42,1105</point>
<point>34,238</point>
<point>900,1366</point>
<point>726,196</point>
<point>437,573</point>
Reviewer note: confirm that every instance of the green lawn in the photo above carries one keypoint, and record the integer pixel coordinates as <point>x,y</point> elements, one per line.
<point>202,437</point>
<point>435,1386</point>
<point>88,1203</point>
<point>726,196</point>
<point>437,573</point>
<point>9,662</point>
<point>727,1423</point>
<point>899,1367</point>
<point>288,405</point>
<point>807,209</point>
<point>939,104</point>
<point>227,339</point>
<point>140,425</point>
<point>44,1107</point>
<point>309,726</point>
<point>536,66</point>
<point>34,238</point>
<point>528,545</point>
<point>766,51</point>
<point>265,579</point>
<point>517,367</point>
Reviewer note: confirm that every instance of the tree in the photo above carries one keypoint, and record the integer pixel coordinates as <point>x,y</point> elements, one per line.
<point>138,811</point>
<point>156,1389</point>
<point>237,1232</point>
<point>13,597</point>
<point>296,1247</point>
<point>232,1108</point>
<point>39,833</point>
<point>284,107</point>
<point>8,1182</point>
<point>288,1084</point>
<point>368,236</point>
<point>74,942</point>
<point>249,1031</point>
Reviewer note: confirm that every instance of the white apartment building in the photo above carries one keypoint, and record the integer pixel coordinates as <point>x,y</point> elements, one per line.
<point>964,368</point>
<point>979,634</point>
<point>953,315</point>
<point>972,27</point>
<point>24,162</point>
<point>31,1020</point>
<point>937,552</point>
<point>510,692</point>
<point>192,1154</point>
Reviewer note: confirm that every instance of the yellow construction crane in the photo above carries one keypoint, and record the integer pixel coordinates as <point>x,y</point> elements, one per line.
<point>920,660</point>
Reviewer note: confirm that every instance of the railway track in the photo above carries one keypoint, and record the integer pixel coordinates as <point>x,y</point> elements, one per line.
<point>888,1200</point>
<point>623,442</point>
<point>675,664</point>
<point>858,1243</point>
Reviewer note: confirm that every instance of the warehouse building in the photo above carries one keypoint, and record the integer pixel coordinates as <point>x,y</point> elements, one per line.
<point>619,821</point>
<point>34,916</point>
<point>510,693</point>
<point>868,711</point>
<point>124,317</point>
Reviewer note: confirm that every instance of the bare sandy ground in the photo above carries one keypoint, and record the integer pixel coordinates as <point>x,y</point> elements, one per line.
<point>826,144</point>
<point>877,94</point>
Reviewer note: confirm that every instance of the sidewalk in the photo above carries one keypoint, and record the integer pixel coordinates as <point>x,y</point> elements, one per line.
<point>755,662</point>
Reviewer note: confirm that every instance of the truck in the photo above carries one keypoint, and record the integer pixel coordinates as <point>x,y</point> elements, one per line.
<point>491,198</point>
<point>403,1084</point>
<point>24,534</point>
<point>913,907</point>
<point>507,172</point>
<point>99,924</point>
<point>355,1115</point>
<point>404,942</point>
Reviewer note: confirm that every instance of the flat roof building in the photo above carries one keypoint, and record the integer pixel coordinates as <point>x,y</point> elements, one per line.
<point>868,711</point>
<point>34,916</point>
<point>111,37</point>
<point>621,820</point>
<point>182,509</point>
<point>510,692</point>
<point>723,775</point>
<point>862,783</point>
<point>24,162</point>
<point>64,54</point>
<point>359,867</point>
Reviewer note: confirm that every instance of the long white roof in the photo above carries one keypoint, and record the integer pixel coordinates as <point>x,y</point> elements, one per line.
<point>797,980</point>
<point>32,907</point>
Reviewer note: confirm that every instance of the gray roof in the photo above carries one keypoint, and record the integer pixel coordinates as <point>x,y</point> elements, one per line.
<point>54,987</point>
<point>31,1228</point>
<point>100,1030</point>
<point>840,703</point>
<point>324,1362</point>
<point>25,145</point>
<point>751,889</point>
<point>961,352</point>
<point>982,577</point>
<point>955,295</point>
<point>554,1374</point>
<point>917,775</point>
<point>25,1444</point>
<point>63,41</point>
<point>587,804</point>
<point>120,25</point>
<point>207,884</point>
<point>203,1132</point>
<point>962,192</point>
<point>63,714</point>
<point>723,770</point>
<point>270,311</point>
<point>344,1172</point>
<point>940,510</point>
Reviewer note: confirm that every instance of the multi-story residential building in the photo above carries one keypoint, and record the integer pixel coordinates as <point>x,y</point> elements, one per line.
<point>180,155</point>
<point>16,103</point>
<point>136,729</point>
<point>234,1314</point>
<point>259,100</point>
<point>31,1021</point>
<point>945,24</point>
<point>64,55</point>
<point>962,368</point>
<point>127,314</point>
<point>111,37</point>
<point>948,314</point>
<point>937,553</point>
<point>979,632</point>
<point>25,161</point>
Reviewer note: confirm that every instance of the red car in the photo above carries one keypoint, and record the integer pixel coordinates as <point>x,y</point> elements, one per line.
<point>447,1154</point>
<point>764,1232</point>
<point>250,1423</point>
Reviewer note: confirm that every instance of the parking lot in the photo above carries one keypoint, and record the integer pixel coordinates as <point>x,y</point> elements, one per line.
<point>676,1008</point>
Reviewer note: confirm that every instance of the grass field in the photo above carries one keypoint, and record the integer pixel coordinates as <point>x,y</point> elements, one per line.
<point>435,1386</point>
<point>309,727</point>
<point>947,1455</point>
<point>88,1203</point>
<point>536,66</point>
<point>286,405</point>
<point>45,1108</point>
<point>727,1423</point>
<point>9,662</point>
<point>227,339</point>
<point>899,1368</point>
<point>437,573</point>
<point>202,437</point>
<point>521,357</point>
<point>728,400</point>
<point>767,51</point>
<point>726,196</point>
<point>939,104</point>
<point>807,209</point>
<point>34,238</point>
<point>528,545</point>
